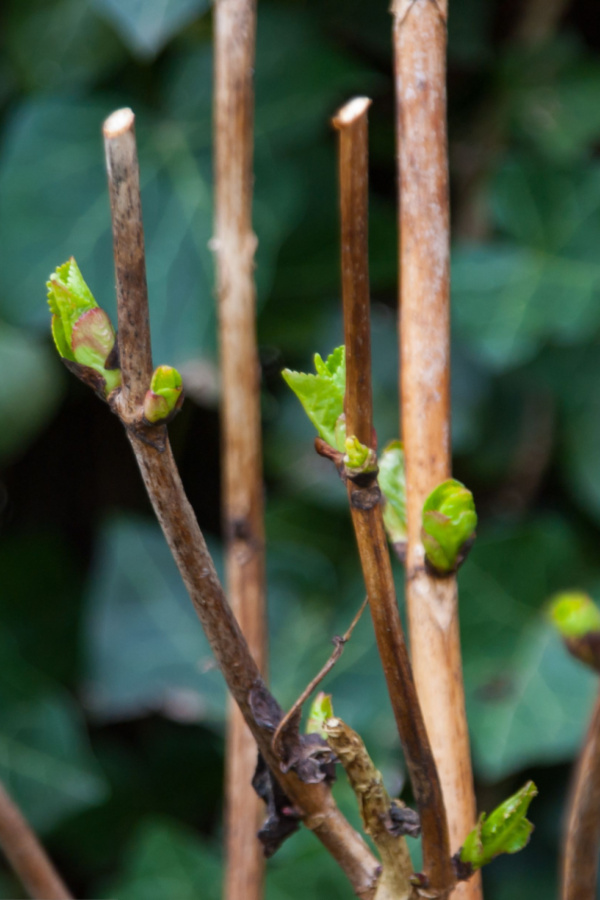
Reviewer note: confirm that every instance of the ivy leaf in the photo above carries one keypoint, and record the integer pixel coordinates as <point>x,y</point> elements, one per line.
<point>449,522</point>
<point>392,481</point>
<point>322,395</point>
<point>146,26</point>
<point>506,830</point>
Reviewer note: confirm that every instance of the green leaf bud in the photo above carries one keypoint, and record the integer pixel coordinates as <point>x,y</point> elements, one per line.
<point>322,395</point>
<point>577,619</point>
<point>321,709</point>
<point>358,458</point>
<point>165,396</point>
<point>392,481</point>
<point>506,830</point>
<point>448,525</point>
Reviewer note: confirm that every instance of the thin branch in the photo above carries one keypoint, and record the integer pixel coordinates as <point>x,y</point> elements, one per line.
<point>26,855</point>
<point>314,802</point>
<point>340,643</point>
<point>580,863</point>
<point>420,61</point>
<point>128,247</point>
<point>364,497</point>
<point>234,244</point>
<point>375,805</point>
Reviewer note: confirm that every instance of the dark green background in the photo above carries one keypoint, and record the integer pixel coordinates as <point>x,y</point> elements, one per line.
<point>111,712</point>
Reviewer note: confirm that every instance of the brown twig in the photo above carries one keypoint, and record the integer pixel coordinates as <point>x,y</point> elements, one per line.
<point>420,51</point>
<point>340,643</point>
<point>364,496</point>
<point>234,245</point>
<point>580,862</point>
<point>314,802</point>
<point>26,855</point>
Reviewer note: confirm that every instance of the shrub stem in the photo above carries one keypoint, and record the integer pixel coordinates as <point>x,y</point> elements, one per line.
<point>26,855</point>
<point>580,863</point>
<point>234,245</point>
<point>364,496</point>
<point>420,50</point>
<point>314,802</point>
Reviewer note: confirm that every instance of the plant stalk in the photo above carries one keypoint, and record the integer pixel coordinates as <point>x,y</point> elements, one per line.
<point>420,71</point>
<point>26,855</point>
<point>242,501</point>
<point>580,862</point>
<point>314,802</point>
<point>365,497</point>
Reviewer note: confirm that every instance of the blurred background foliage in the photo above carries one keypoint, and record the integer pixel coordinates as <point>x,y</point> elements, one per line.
<point>112,710</point>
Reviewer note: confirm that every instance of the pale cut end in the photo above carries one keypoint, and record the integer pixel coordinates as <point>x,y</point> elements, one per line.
<point>351,112</point>
<point>118,123</point>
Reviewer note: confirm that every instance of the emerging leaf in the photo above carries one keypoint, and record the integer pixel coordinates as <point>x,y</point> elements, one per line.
<point>449,522</point>
<point>320,710</point>
<point>165,396</point>
<point>577,618</point>
<point>69,297</point>
<point>392,481</point>
<point>506,830</point>
<point>82,332</point>
<point>322,395</point>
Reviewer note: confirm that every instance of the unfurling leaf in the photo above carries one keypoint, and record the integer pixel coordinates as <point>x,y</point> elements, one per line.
<point>322,395</point>
<point>321,709</point>
<point>449,522</point>
<point>577,618</point>
<point>82,332</point>
<point>506,830</point>
<point>392,481</point>
<point>165,396</point>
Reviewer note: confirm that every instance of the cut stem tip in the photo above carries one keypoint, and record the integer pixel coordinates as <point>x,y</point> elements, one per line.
<point>118,123</point>
<point>351,112</point>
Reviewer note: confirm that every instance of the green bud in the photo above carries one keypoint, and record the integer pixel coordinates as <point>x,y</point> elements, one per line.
<point>82,332</point>
<point>322,395</point>
<point>392,481</point>
<point>577,618</point>
<point>449,521</point>
<point>165,396</point>
<point>358,457</point>
<point>506,830</point>
<point>321,709</point>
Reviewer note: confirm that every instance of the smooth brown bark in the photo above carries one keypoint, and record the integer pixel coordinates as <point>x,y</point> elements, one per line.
<point>420,52</point>
<point>234,244</point>
<point>313,802</point>
<point>582,846</point>
<point>26,855</point>
<point>364,496</point>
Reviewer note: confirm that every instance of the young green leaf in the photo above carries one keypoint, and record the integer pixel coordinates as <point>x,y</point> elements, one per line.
<point>577,618</point>
<point>392,481</point>
<point>322,395</point>
<point>506,830</point>
<point>448,525</point>
<point>321,709</point>
<point>165,396</point>
<point>82,332</point>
